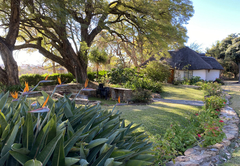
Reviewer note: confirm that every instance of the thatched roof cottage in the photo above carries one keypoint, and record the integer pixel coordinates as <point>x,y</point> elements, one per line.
<point>186,63</point>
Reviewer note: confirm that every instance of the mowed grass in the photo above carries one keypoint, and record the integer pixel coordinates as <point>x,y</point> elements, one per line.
<point>235,160</point>
<point>156,117</point>
<point>179,92</point>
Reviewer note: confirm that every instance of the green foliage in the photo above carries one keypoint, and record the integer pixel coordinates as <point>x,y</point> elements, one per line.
<point>92,76</point>
<point>144,83</point>
<point>212,89</point>
<point>214,102</point>
<point>211,129</point>
<point>201,129</point>
<point>33,79</point>
<point>68,135</point>
<point>157,71</point>
<point>228,51</point>
<point>121,75</point>
<point>97,56</point>
<point>141,95</point>
<point>192,81</point>
<point>218,80</point>
<point>12,88</point>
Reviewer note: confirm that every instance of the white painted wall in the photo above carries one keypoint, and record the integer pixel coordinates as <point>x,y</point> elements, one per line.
<point>178,75</point>
<point>206,75</point>
<point>200,73</point>
<point>212,75</point>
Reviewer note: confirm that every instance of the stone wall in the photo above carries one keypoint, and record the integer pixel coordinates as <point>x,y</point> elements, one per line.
<point>215,154</point>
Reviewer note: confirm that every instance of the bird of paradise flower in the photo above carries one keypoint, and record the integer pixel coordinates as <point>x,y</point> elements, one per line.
<point>14,95</point>
<point>42,109</point>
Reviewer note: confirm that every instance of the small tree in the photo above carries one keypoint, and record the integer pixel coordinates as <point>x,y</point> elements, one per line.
<point>98,57</point>
<point>157,71</point>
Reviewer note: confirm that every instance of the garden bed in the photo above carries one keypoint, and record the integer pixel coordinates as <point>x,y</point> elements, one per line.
<point>215,154</point>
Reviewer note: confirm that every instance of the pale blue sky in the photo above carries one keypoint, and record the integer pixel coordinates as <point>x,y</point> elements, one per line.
<point>212,20</point>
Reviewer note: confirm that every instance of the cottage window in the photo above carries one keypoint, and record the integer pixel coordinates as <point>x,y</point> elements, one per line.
<point>188,74</point>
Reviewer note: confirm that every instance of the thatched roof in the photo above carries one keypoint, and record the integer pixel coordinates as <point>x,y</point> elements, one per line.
<point>189,59</point>
<point>213,62</point>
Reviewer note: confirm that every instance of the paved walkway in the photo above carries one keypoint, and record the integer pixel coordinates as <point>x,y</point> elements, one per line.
<point>186,102</point>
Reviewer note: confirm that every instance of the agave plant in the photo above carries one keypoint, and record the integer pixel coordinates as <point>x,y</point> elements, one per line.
<point>68,135</point>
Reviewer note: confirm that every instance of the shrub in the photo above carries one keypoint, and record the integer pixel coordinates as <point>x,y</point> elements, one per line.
<point>141,95</point>
<point>218,80</point>
<point>212,130</point>
<point>144,83</point>
<point>201,129</point>
<point>192,81</point>
<point>212,89</point>
<point>214,102</point>
<point>68,135</point>
<point>12,88</point>
<point>157,71</point>
<point>92,76</point>
<point>33,79</point>
<point>121,75</point>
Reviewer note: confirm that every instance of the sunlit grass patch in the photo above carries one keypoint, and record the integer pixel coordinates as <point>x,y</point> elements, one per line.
<point>179,92</point>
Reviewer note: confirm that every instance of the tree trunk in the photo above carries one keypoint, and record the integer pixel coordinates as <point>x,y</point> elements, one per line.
<point>11,67</point>
<point>239,72</point>
<point>9,76</point>
<point>97,69</point>
<point>54,67</point>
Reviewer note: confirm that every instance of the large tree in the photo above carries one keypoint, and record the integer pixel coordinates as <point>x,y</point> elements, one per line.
<point>70,26</point>
<point>10,11</point>
<point>228,51</point>
<point>233,52</point>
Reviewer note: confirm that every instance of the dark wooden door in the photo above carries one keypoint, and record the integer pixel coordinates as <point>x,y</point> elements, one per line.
<point>171,78</point>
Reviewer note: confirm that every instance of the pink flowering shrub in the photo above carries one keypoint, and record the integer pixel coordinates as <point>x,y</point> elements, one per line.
<point>214,102</point>
<point>212,89</point>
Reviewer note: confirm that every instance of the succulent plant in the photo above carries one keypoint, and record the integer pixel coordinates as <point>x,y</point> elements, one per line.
<point>68,135</point>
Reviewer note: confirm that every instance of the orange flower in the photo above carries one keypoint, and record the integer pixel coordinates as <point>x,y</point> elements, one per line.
<point>46,77</point>
<point>45,102</point>
<point>86,83</point>
<point>26,89</point>
<point>14,95</point>
<point>59,81</point>
<point>119,99</point>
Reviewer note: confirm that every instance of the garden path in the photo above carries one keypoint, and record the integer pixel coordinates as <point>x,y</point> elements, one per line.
<point>186,102</point>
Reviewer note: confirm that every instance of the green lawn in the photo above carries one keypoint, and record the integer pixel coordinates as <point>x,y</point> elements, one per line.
<point>235,160</point>
<point>179,92</point>
<point>156,117</point>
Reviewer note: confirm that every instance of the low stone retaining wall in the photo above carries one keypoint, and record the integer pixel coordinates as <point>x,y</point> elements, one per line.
<point>217,153</point>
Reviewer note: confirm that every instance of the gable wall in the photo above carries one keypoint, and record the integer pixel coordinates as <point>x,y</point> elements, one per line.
<point>212,75</point>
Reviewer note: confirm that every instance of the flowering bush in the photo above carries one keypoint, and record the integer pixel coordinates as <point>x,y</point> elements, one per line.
<point>201,129</point>
<point>212,131</point>
<point>214,102</point>
<point>212,89</point>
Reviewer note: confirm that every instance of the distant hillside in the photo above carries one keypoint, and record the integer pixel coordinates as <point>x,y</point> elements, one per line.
<point>34,69</point>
